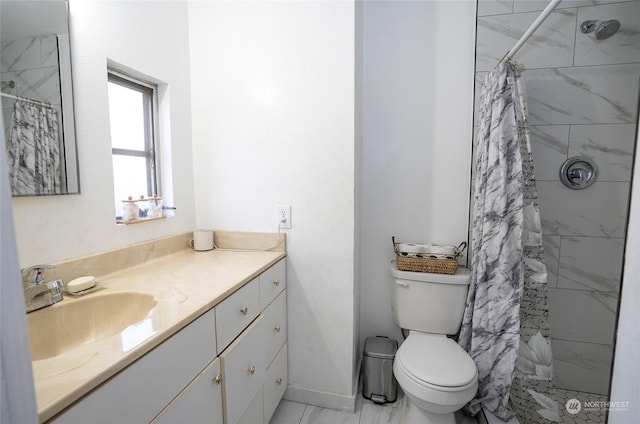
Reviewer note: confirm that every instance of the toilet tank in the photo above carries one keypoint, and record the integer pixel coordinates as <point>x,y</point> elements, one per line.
<point>426,302</point>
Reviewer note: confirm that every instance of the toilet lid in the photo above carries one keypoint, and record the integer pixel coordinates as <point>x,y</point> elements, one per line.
<point>436,360</point>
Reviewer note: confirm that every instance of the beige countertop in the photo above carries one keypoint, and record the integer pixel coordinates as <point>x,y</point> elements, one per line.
<point>185,285</point>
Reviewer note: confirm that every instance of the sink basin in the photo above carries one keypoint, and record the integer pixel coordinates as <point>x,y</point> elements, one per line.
<point>68,324</point>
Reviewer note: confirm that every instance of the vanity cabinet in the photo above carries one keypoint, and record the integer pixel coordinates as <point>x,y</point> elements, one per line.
<point>140,391</point>
<point>228,366</point>
<point>275,384</point>
<point>201,398</point>
<point>275,316</point>
<point>272,282</point>
<point>244,370</point>
<point>236,312</point>
<point>254,412</point>
<point>273,301</point>
<point>254,365</point>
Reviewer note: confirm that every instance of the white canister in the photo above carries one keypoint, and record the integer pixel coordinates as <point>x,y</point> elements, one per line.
<point>129,210</point>
<point>202,240</point>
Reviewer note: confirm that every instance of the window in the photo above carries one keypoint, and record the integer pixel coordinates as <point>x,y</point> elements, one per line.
<point>133,148</point>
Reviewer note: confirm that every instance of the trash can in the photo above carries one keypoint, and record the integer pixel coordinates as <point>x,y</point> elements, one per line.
<point>379,383</point>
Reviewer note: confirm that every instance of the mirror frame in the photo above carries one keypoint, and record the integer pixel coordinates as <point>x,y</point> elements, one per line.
<point>67,107</point>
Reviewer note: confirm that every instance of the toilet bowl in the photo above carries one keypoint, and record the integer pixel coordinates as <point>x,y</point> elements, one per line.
<point>437,376</point>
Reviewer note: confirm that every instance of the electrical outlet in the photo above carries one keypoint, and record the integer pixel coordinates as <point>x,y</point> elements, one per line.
<point>284,216</point>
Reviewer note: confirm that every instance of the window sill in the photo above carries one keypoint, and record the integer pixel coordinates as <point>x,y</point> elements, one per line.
<point>138,221</point>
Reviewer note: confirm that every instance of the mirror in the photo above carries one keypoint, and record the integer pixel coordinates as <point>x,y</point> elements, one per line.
<point>37,97</point>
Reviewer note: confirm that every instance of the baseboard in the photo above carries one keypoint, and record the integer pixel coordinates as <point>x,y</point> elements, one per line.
<point>321,399</point>
<point>325,399</point>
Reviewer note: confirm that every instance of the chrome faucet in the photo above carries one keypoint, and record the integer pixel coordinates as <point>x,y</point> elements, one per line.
<point>37,293</point>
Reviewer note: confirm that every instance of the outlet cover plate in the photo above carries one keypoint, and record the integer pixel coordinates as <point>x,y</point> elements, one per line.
<point>284,216</point>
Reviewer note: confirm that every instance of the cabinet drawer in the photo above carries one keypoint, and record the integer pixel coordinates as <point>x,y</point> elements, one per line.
<point>236,312</point>
<point>199,402</point>
<point>243,370</point>
<point>275,317</point>
<point>272,282</point>
<point>275,384</point>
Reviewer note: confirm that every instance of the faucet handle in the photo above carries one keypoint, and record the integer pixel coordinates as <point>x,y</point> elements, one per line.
<point>38,278</point>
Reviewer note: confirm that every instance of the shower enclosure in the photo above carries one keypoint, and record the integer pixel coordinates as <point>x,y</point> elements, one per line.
<point>581,79</point>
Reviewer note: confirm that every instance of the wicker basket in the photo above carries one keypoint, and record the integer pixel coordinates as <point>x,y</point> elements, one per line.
<point>436,266</point>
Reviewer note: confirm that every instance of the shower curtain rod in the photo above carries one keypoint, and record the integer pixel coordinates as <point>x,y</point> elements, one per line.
<point>26,99</point>
<point>534,26</point>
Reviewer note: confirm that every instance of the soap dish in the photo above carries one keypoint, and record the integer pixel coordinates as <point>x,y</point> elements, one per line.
<point>96,287</point>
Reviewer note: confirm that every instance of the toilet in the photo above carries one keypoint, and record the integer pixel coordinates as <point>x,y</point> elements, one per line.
<point>437,376</point>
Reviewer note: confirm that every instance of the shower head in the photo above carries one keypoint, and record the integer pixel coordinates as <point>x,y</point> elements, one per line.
<point>607,28</point>
<point>603,29</point>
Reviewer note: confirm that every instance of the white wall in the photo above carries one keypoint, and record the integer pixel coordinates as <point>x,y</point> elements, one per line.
<point>418,101</point>
<point>17,394</point>
<point>359,62</point>
<point>626,370</point>
<point>273,122</point>
<point>151,37</point>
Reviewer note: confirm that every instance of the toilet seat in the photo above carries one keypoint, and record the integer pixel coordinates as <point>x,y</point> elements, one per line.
<point>437,376</point>
<point>436,362</point>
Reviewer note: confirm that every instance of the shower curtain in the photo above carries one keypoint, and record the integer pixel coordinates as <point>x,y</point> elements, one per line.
<point>33,149</point>
<point>505,325</point>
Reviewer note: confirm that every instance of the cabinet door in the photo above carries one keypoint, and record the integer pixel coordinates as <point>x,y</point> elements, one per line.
<point>275,317</point>
<point>253,413</point>
<point>199,402</point>
<point>275,384</point>
<point>138,392</point>
<point>272,282</point>
<point>243,370</point>
<point>236,312</point>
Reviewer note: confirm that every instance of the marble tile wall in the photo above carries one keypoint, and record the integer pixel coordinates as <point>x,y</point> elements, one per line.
<point>32,63</point>
<point>582,96</point>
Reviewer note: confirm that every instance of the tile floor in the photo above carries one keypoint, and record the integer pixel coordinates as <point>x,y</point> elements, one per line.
<point>586,415</point>
<point>368,412</point>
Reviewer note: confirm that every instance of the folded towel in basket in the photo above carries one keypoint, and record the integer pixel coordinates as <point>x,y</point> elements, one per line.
<point>412,250</point>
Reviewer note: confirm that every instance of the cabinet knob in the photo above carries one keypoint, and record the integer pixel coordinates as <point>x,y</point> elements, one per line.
<point>251,369</point>
<point>244,310</point>
<point>217,379</point>
<point>277,328</point>
<point>279,382</point>
<point>276,283</point>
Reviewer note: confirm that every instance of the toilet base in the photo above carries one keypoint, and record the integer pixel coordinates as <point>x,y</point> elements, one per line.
<point>412,414</point>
